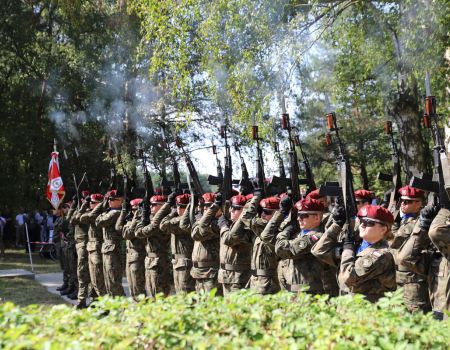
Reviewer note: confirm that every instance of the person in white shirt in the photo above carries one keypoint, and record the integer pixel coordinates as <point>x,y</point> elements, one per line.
<point>20,221</point>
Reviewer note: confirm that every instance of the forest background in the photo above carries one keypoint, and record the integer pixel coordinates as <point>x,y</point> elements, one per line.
<point>94,71</point>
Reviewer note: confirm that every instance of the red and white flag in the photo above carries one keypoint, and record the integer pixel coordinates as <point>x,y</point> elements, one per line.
<point>55,186</point>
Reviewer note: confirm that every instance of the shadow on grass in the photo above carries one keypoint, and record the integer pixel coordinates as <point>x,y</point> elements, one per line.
<point>18,259</point>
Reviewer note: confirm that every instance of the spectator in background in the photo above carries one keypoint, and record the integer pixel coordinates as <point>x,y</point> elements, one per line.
<point>2,231</point>
<point>43,227</point>
<point>20,228</point>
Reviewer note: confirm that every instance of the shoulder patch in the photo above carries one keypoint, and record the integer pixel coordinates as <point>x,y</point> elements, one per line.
<point>302,244</point>
<point>366,262</point>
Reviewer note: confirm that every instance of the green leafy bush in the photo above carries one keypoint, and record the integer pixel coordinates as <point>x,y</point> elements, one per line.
<point>242,320</point>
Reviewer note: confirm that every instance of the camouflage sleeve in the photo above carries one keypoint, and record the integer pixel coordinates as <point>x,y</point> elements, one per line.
<point>236,235</point>
<point>167,223</point>
<point>203,232</point>
<point>89,217</point>
<point>282,244</point>
<point>153,227</point>
<point>120,223</point>
<point>250,211</point>
<point>269,234</point>
<point>359,270</point>
<point>327,248</point>
<point>439,232</point>
<point>402,234</point>
<point>70,214</point>
<point>129,229</point>
<point>107,219</point>
<point>411,253</point>
<point>185,223</point>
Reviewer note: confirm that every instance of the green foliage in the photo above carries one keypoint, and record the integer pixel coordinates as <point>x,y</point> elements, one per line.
<point>242,320</point>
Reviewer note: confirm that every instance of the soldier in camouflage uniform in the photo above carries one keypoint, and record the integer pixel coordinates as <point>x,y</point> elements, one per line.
<point>370,270</point>
<point>72,291</point>
<point>156,260</point>
<point>235,248</point>
<point>94,245</point>
<point>81,239</point>
<point>415,286</point>
<point>326,214</point>
<point>264,260</point>
<point>305,270</point>
<point>112,262</point>
<point>135,255</point>
<point>205,254</point>
<point>61,229</point>
<point>181,245</point>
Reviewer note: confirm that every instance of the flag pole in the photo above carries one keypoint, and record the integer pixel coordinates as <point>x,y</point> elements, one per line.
<point>29,248</point>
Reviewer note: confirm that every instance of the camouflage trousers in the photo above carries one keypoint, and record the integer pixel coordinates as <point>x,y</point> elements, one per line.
<point>112,269</point>
<point>183,281</point>
<point>416,297</point>
<point>205,285</point>
<point>61,251</point>
<point>82,271</point>
<point>232,287</point>
<point>135,270</point>
<point>72,264</point>
<point>264,284</point>
<point>156,276</point>
<point>96,268</point>
<point>284,274</point>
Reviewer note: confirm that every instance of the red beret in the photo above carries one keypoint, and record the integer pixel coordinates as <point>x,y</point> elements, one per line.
<point>158,199</point>
<point>408,192</point>
<point>238,200</point>
<point>208,197</point>
<point>135,202</point>
<point>270,203</point>
<point>112,194</point>
<point>249,196</point>
<point>309,205</point>
<point>376,213</point>
<point>183,199</point>
<point>365,195</point>
<point>96,197</point>
<point>314,194</point>
<point>85,193</point>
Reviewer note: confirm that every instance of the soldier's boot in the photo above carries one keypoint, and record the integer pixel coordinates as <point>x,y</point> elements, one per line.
<point>81,304</point>
<point>62,287</point>
<point>68,290</point>
<point>74,295</point>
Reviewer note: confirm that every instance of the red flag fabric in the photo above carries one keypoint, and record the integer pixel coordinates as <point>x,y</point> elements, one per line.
<point>55,186</point>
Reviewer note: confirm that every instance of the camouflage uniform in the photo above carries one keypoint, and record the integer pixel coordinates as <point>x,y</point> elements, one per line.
<point>135,254</point>
<point>61,229</point>
<point>415,286</point>
<point>264,260</point>
<point>72,254</point>
<point>439,234</point>
<point>371,272</point>
<point>156,261</point>
<point>181,247</point>
<point>235,256</point>
<point>303,269</point>
<point>205,254</point>
<point>112,262</point>
<point>94,249</point>
<point>81,239</point>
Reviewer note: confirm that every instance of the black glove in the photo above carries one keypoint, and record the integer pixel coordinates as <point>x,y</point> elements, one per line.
<point>87,199</point>
<point>222,221</point>
<point>171,199</point>
<point>218,199</point>
<point>286,205</point>
<point>427,216</point>
<point>338,215</point>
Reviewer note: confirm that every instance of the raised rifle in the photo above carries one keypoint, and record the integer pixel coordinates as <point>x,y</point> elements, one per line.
<point>441,168</point>
<point>227,185</point>
<point>191,168</point>
<point>347,196</point>
<point>218,179</point>
<point>113,172</point>
<point>293,160</point>
<point>309,178</point>
<point>245,185</point>
<point>176,183</point>
<point>396,177</point>
<point>260,176</point>
<point>148,184</point>
<point>280,182</point>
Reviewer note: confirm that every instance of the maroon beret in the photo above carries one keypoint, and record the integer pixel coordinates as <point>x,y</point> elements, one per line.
<point>365,195</point>
<point>208,197</point>
<point>314,194</point>
<point>408,192</point>
<point>376,213</point>
<point>96,197</point>
<point>183,199</point>
<point>270,203</point>
<point>158,199</point>
<point>249,196</point>
<point>112,193</point>
<point>309,205</point>
<point>238,200</point>
<point>85,193</point>
<point>135,202</point>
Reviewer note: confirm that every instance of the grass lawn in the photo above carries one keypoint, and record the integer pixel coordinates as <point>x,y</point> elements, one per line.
<point>18,259</point>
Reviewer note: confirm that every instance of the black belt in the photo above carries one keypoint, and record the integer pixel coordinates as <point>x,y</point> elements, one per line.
<point>205,264</point>
<point>179,256</point>
<point>264,272</point>
<point>236,267</point>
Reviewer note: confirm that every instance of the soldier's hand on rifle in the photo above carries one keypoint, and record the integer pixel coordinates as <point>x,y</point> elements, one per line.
<point>286,205</point>
<point>218,198</point>
<point>171,199</point>
<point>349,241</point>
<point>427,216</point>
<point>338,215</point>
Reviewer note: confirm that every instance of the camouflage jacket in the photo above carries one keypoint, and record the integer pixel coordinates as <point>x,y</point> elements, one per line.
<point>128,228</point>
<point>60,227</point>
<point>95,234</point>
<point>81,230</point>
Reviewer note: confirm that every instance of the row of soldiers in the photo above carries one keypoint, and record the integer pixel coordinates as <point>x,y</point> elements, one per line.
<point>262,243</point>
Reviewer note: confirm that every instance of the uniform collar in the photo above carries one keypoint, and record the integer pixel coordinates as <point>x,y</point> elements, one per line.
<point>405,217</point>
<point>363,246</point>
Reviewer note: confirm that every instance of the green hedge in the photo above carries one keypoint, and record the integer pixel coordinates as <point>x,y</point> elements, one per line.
<point>243,320</point>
